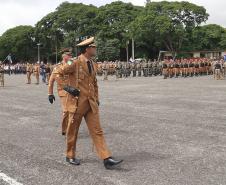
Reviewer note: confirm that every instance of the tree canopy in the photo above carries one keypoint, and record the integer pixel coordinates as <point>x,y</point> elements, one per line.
<point>18,42</point>
<point>172,26</point>
<point>167,25</point>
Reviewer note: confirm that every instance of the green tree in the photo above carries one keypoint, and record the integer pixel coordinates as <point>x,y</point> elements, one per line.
<point>108,49</point>
<point>208,37</point>
<point>70,22</point>
<point>18,42</point>
<point>113,20</point>
<point>168,24</point>
<point>172,26</point>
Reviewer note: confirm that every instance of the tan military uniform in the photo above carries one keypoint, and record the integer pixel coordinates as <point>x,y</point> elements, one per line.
<point>85,106</point>
<point>105,70</point>
<point>61,80</point>
<point>48,72</point>
<point>37,72</point>
<point>224,71</point>
<point>29,70</point>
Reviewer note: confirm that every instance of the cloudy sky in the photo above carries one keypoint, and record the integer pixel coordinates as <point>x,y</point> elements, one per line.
<point>28,12</point>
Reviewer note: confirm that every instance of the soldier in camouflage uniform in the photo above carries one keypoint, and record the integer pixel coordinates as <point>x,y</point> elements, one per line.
<point>145,68</point>
<point>120,66</point>
<point>155,68</point>
<point>134,69</point>
<point>150,69</point>
<point>123,70</point>
<point>218,68</point>
<point>117,70</point>
<point>127,69</point>
<point>139,69</point>
<point>159,67</point>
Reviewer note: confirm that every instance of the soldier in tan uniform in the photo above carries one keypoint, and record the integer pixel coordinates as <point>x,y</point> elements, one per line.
<point>224,69</point>
<point>48,73</point>
<point>2,80</point>
<point>29,70</point>
<point>37,72</point>
<point>105,70</point>
<point>62,81</point>
<point>84,103</point>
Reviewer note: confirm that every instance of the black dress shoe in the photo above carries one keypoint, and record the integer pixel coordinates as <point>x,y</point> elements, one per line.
<point>109,163</point>
<point>73,161</point>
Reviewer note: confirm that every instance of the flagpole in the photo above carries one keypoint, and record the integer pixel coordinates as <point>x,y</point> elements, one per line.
<point>5,58</point>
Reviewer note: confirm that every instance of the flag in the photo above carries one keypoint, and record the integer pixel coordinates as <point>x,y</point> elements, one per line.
<point>9,58</point>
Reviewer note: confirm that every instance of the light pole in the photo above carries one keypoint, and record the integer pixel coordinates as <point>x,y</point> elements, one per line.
<point>133,50</point>
<point>127,51</point>
<point>56,47</point>
<point>76,42</point>
<point>133,47</point>
<point>38,51</point>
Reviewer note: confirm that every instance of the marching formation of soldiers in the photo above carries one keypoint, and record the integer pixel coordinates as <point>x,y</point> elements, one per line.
<point>126,69</point>
<point>36,69</point>
<point>187,67</point>
<point>167,68</point>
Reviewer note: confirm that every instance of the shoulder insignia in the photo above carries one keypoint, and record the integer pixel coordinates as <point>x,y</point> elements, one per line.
<point>69,62</point>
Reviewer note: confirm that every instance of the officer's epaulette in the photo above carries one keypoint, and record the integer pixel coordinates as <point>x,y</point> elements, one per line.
<point>59,64</point>
<point>55,69</point>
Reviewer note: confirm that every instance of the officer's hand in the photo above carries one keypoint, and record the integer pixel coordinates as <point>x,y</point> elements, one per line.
<point>98,103</point>
<point>51,98</point>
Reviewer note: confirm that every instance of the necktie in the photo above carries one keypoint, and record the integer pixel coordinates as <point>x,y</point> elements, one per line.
<point>90,66</point>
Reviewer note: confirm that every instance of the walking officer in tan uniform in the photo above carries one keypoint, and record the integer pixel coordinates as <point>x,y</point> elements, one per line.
<point>62,81</point>
<point>37,72</point>
<point>83,101</point>
<point>29,70</point>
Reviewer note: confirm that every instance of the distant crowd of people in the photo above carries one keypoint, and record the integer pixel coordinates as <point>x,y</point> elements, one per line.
<point>37,69</point>
<point>19,68</point>
<point>167,68</point>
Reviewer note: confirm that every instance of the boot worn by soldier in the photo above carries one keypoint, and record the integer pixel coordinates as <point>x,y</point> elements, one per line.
<point>73,161</point>
<point>109,163</point>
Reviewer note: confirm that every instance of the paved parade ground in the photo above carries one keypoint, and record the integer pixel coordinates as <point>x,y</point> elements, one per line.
<point>169,132</point>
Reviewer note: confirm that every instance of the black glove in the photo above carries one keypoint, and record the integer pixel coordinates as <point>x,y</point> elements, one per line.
<point>73,91</point>
<point>51,98</point>
<point>98,103</point>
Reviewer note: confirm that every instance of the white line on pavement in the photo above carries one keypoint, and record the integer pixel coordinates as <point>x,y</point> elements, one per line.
<point>8,179</point>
